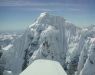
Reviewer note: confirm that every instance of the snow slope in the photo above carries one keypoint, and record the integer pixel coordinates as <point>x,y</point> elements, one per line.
<point>73,35</point>
<point>86,64</point>
<point>89,66</point>
<point>44,67</point>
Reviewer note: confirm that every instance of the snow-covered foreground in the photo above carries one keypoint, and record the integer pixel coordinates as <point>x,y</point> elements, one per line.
<point>44,67</point>
<point>51,37</point>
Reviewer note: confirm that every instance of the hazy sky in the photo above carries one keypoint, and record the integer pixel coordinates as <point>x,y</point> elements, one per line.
<point>19,14</point>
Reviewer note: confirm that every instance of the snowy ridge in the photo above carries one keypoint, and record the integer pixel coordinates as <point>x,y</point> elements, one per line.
<point>86,63</point>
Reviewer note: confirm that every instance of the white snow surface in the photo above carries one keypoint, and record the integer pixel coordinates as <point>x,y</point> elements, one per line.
<point>44,67</point>
<point>86,64</point>
<point>7,47</point>
<point>89,66</point>
<point>7,73</point>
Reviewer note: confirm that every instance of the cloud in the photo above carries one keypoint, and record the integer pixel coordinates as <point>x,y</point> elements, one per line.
<point>45,2</point>
<point>36,9</point>
<point>29,5</point>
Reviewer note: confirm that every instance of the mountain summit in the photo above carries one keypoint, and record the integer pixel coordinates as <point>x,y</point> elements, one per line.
<point>44,39</point>
<point>50,37</point>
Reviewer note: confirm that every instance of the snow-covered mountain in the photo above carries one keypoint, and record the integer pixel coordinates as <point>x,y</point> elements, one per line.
<point>86,64</point>
<point>73,34</point>
<point>51,37</point>
<point>44,39</point>
<point>7,38</point>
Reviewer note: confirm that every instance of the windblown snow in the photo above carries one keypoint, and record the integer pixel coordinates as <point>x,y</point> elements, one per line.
<point>52,38</point>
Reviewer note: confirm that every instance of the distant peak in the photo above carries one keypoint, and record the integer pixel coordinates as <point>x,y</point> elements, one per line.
<point>49,19</point>
<point>44,14</point>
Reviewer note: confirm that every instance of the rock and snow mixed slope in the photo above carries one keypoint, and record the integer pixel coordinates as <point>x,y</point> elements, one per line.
<point>44,67</point>
<point>73,35</point>
<point>51,37</point>
<point>86,64</point>
<point>44,39</point>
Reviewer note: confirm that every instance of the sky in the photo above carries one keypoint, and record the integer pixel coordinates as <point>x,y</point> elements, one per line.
<point>19,14</point>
